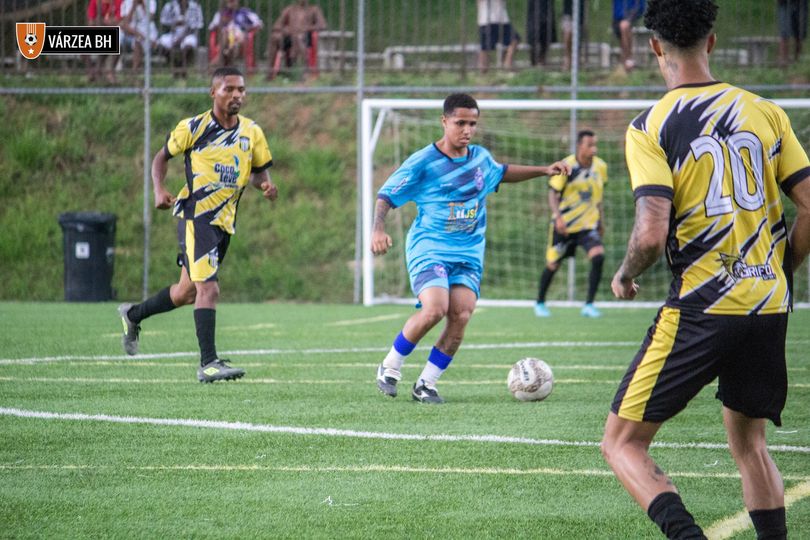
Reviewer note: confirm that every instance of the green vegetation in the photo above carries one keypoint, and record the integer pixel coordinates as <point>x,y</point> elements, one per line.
<point>74,478</point>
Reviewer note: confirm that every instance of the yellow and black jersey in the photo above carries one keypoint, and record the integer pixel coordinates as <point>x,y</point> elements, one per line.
<point>721,154</point>
<point>581,193</point>
<point>218,164</point>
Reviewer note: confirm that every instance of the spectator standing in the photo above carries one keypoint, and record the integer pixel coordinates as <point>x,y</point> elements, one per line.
<point>540,29</point>
<point>625,14</point>
<point>184,18</point>
<point>292,33</point>
<point>138,26</point>
<point>494,27</point>
<point>232,24</point>
<point>568,29</point>
<point>792,18</point>
<point>103,13</point>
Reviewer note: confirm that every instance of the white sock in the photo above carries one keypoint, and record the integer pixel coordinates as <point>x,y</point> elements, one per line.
<point>393,360</point>
<point>431,373</point>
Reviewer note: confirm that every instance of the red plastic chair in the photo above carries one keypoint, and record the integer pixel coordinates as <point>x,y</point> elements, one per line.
<point>312,57</point>
<point>250,55</point>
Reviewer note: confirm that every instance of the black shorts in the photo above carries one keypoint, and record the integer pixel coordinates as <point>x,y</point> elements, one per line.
<point>202,248</point>
<point>561,246</point>
<point>490,34</point>
<point>684,351</point>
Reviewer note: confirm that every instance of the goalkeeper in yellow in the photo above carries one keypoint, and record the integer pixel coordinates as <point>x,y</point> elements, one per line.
<point>708,163</point>
<point>577,218</point>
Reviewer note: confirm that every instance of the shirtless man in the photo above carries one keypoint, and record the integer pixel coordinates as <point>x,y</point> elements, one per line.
<point>292,33</point>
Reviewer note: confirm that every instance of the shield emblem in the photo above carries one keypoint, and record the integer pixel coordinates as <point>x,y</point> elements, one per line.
<point>30,39</point>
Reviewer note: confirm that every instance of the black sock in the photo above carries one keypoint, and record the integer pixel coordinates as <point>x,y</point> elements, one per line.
<point>159,303</point>
<point>669,513</point>
<point>770,524</point>
<point>205,320</point>
<point>545,281</point>
<point>594,277</point>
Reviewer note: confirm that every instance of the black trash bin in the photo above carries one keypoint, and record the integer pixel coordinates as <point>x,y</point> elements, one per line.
<point>89,240</point>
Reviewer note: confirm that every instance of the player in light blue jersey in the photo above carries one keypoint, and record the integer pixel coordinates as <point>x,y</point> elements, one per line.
<point>449,181</point>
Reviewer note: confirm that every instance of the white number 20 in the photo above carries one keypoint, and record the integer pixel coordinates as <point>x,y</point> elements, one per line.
<point>716,203</point>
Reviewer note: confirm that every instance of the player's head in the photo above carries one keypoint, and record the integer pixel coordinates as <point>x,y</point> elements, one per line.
<point>227,90</point>
<point>586,145</point>
<point>459,119</point>
<point>683,24</point>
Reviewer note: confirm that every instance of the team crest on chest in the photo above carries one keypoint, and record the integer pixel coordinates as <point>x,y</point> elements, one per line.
<point>478,179</point>
<point>244,144</point>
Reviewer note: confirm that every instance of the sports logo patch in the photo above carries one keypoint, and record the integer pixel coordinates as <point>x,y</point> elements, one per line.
<point>244,144</point>
<point>440,271</point>
<point>737,269</point>
<point>30,39</point>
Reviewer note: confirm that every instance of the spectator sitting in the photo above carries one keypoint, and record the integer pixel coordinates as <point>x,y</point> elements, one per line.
<point>109,14</point>
<point>625,13</point>
<point>136,22</point>
<point>292,33</point>
<point>184,19</point>
<point>494,27</point>
<point>233,24</point>
<point>792,17</point>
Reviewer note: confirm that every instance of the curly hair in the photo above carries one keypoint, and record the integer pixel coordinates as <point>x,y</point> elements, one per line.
<point>683,23</point>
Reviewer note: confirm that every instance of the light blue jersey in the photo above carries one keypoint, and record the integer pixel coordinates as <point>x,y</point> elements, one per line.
<point>451,220</point>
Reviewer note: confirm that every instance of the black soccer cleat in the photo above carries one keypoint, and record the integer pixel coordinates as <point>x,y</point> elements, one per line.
<point>131,331</point>
<point>387,380</point>
<point>218,370</point>
<point>424,393</point>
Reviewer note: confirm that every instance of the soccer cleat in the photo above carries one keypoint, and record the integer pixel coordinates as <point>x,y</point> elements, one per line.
<point>218,370</point>
<point>540,310</point>
<point>589,310</point>
<point>425,393</point>
<point>387,380</point>
<point>131,331</point>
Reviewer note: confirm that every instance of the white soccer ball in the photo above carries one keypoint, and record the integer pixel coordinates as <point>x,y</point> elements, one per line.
<point>530,379</point>
<point>30,39</point>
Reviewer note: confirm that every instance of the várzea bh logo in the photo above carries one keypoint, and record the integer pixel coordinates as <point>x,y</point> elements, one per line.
<point>36,38</point>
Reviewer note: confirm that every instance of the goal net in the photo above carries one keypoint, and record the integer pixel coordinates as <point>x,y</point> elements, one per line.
<point>518,218</point>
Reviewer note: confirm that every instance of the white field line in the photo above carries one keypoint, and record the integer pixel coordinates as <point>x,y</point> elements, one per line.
<point>741,521</point>
<point>353,322</point>
<point>333,432</point>
<point>194,382</point>
<point>346,350</point>
<point>371,468</point>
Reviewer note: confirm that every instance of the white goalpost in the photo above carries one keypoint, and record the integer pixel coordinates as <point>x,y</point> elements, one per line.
<point>527,132</point>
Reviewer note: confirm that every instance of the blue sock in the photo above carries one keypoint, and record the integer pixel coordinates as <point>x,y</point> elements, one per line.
<point>435,366</point>
<point>403,346</point>
<point>396,356</point>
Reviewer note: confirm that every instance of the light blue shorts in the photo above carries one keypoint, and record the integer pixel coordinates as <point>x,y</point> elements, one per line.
<point>442,274</point>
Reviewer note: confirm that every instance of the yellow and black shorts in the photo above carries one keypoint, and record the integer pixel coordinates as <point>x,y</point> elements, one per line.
<point>561,246</point>
<point>202,248</point>
<point>686,350</point>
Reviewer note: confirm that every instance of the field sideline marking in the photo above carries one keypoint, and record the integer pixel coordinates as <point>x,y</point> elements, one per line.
<point>369,468</point>
<point>346,350</point>
<point>334,432</point>
<point>728,527</point>
<point>352,322</point>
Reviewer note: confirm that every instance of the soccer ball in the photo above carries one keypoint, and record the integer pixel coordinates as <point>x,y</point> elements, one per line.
<point>530,379</point>
<point>30,39</point>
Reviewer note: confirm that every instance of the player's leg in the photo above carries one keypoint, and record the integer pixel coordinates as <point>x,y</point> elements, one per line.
<point>592,243</point>
<point>429,283</point>
<point>510,42</point>
<point>626,32</point>
<point>558,248</point>
<point>487,34</point>
<point>763,490</point>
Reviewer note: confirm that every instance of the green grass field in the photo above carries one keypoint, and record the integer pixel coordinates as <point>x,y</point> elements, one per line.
<point>96,444</point>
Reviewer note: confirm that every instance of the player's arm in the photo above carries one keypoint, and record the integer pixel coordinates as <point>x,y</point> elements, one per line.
<point>647,242</point>
<point>261,181</point>
<point>160,167</point>
<point>800,233</point>
<point>554,198</point>
<point>519,173</point>
<point>380,241</point>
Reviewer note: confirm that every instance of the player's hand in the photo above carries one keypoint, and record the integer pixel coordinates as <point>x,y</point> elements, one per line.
<point>163,199</point>
<point>269,190</point>
<point>559,225</point>
<point>624,289</point>
<point>559,167</point>
<point>380,242</point>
